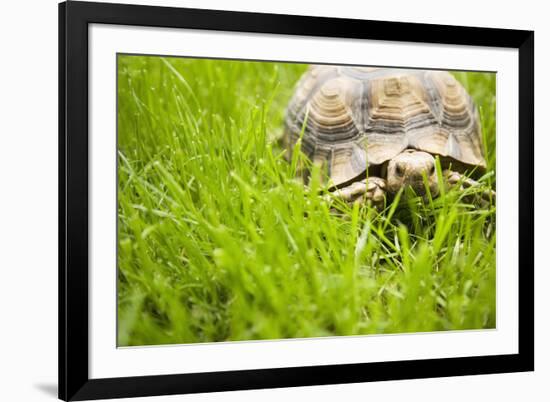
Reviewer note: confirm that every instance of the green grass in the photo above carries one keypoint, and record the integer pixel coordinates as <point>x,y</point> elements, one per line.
<point>218,241</point>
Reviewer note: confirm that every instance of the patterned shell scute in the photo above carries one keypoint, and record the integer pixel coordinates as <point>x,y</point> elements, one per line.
<point>352,116</point>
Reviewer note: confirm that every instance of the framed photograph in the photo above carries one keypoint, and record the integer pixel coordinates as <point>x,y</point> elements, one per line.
<point>257,201</point>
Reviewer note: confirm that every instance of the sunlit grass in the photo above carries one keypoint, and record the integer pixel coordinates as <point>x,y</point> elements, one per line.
<point>217,240</point>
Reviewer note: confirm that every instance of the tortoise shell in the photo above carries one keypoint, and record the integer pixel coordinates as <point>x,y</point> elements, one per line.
<point>357,117</point>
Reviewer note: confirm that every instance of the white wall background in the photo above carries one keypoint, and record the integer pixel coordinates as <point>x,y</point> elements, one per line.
<point>28,199</point>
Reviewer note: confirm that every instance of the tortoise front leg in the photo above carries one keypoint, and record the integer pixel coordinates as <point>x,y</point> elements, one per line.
<point>371,190</point>
<point>455,178</point>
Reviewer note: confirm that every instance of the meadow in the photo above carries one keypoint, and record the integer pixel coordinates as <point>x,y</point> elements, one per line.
<point>218,241</point>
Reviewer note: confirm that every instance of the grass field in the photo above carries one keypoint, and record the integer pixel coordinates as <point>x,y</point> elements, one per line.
<point>217,240</point>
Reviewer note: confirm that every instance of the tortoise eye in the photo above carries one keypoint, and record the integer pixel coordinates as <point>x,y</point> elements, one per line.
<point>432,170</point>
<point>399,170</point>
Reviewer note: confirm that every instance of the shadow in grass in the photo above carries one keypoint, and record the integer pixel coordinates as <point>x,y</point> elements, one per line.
<point>48,389</point>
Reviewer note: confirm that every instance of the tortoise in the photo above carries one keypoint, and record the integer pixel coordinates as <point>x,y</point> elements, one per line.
<point>378,130</point>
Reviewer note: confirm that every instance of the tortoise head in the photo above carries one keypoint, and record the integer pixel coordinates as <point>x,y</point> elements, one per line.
<point>411,168</point>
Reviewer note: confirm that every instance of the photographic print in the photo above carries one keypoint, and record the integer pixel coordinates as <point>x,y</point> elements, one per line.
<point>318,203</point>
<point>272,200</point>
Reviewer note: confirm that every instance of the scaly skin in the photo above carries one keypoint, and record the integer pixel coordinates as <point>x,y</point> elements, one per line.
<point>410,168</point>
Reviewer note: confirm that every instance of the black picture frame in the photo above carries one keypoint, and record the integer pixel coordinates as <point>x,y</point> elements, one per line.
<point>74,18</point>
